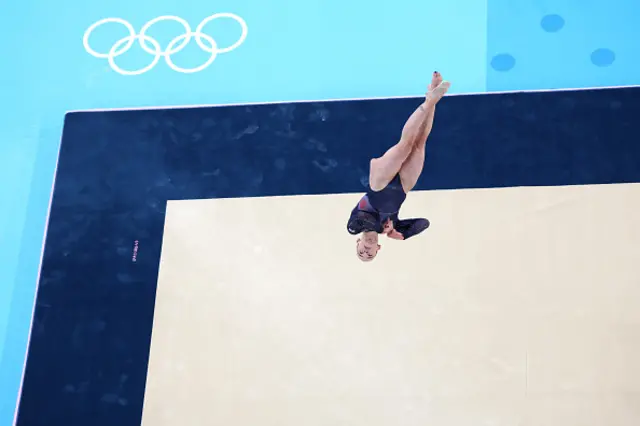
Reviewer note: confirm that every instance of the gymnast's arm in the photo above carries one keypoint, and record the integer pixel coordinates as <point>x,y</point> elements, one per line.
<point>407,228</point>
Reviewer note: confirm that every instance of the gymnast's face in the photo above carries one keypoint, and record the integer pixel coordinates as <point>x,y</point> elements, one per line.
<point>367,247</point>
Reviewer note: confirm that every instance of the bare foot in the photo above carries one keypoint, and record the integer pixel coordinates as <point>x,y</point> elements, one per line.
<point>437,88</point>
<point>435,81</point>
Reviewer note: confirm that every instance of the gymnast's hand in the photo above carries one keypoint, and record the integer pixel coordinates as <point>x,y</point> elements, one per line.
<point>391,231</point>
<point>388,227</point>
<point>395,235</point>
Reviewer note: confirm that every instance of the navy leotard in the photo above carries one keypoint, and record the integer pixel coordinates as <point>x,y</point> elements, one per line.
<point>376,207</point>
<point>388,201</point>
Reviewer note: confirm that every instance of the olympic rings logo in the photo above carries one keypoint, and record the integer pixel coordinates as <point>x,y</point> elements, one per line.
<point>152,47</point>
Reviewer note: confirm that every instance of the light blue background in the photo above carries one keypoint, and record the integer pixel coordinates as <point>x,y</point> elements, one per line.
<point>295,50</point>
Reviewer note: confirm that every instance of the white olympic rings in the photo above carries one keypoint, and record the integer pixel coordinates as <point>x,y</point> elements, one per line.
<point>176,45</point>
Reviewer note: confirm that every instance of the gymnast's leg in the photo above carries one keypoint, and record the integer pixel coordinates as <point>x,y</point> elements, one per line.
<point>383,169</point>
<point>411,169</point>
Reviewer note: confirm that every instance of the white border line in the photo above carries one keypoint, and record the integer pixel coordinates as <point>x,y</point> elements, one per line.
<point>35,298</point>
<point>55,173</point>
<point>195,106</point>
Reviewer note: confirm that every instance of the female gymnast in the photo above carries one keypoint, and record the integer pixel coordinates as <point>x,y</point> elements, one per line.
<point>391,177</point>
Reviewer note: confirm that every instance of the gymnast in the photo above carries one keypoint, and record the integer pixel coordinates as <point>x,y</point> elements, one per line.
<point>391,177</point>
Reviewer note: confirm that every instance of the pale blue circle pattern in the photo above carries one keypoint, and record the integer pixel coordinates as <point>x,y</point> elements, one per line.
<point>552,23</point>
<point>603,57</point>
<point>503,62</point>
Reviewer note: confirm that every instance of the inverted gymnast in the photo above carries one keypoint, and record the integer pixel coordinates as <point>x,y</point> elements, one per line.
<point>392,176</point>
